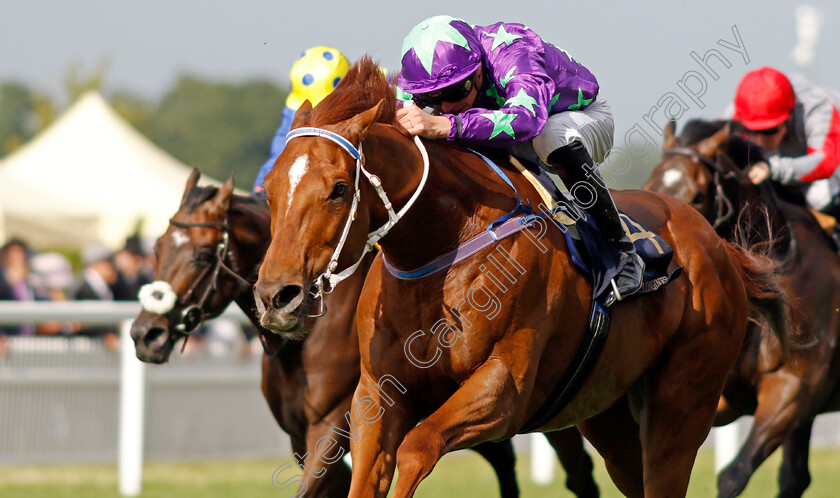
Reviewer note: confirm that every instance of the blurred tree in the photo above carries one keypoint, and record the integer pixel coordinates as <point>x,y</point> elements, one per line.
<point>132,108</point>
<point>218,127</point>
<point>77,82</point>
<point>23,113</point>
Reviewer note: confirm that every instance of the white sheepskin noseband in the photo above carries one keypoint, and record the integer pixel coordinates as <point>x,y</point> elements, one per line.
<point>157,297</point>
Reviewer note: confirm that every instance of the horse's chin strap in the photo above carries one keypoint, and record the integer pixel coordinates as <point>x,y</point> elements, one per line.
<point>328,277</point>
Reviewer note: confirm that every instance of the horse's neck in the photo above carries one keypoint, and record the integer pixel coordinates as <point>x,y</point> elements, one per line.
<point>452,207</point>
<point>250,224</point>
<point>249,240</point>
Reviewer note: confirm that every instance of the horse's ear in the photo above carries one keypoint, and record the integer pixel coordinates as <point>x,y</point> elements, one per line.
<point>303,114</point>
<point>221,201</point>
<point>355,128</point>
<point>670,139</point>
<point>225,191</point>
<point>191,182</point>
<point>709,146</point>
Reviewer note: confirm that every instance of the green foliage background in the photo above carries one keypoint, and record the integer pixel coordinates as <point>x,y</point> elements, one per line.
<point>219,127</point>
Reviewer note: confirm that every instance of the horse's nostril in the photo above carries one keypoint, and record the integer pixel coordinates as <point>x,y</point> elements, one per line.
<point>286,295</point>
<point>152,335</point>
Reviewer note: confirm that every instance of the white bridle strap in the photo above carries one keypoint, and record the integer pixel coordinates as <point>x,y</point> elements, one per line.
<point>393,217</point>
<point>309,131</point>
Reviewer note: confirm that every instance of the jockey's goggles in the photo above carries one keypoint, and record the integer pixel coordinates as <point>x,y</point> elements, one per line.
<point>451,93</point>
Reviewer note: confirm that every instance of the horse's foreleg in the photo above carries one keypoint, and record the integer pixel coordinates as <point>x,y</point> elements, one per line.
<point>501,457</point>
<point>326,474</point>
<point>774,419</point>
<point>794,476</point>
<point>568,444</point>
<point>376,429</point>
<point>615,434</point>
<point>478,411</point>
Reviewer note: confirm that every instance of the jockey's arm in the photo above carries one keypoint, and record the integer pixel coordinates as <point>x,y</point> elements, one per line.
<point>521,116</point>
<point>525,94</point>
<point>277,146</point>
<point>822,133</point>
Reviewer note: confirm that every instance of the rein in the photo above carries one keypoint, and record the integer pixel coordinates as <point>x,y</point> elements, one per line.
<point>193,314</point>
<point>326,282</point>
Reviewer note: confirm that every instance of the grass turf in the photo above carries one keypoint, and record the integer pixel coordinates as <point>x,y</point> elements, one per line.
<point>460,475</point>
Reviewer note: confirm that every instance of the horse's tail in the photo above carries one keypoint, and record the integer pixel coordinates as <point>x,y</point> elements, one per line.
<point>768,301</point>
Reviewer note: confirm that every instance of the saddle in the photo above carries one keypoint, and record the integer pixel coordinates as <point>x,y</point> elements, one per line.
<point>590,251</point>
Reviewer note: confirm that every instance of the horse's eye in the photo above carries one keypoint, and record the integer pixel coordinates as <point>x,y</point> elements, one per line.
<point>698,198</point>
<point>338,191</point>
<point>204,257</point>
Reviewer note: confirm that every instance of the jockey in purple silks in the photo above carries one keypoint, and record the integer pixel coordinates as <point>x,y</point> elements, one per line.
<point>503,86</point>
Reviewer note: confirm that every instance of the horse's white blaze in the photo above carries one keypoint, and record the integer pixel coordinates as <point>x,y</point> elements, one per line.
<point>296,172</point>
<point>179,238</point>
<point>671,177</point>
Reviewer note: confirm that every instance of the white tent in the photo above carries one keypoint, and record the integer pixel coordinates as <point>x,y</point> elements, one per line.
<point>88,177</point>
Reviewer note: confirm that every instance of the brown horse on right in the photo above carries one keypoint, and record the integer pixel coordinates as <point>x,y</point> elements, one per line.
<point>451,361</point>
<point>706,166</point>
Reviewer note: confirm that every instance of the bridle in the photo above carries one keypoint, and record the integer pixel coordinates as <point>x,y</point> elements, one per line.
<point>326,281</point>
<point>722,204</point>
<point>192,315</point>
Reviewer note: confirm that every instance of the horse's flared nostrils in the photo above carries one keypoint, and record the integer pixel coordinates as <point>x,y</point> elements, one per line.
<point>153,339</point>
<point>280,299</point>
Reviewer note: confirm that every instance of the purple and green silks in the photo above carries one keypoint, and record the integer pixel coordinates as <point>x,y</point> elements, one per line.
<point>525,78</point>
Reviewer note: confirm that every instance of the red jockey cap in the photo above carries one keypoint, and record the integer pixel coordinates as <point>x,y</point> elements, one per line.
<point>764,99</point>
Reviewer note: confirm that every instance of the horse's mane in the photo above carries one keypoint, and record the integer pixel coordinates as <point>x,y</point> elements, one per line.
<point>362,87</point>
<point>742,152</point>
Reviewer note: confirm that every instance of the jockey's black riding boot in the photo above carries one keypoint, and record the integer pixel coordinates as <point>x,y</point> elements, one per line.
<point>573,164</point>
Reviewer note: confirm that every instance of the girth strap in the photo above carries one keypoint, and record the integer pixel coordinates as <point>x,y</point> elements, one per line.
<point>577,372</point>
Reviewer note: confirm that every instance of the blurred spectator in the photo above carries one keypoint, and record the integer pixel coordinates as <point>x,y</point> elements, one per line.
<point>133,270</point>
<point>95,283</point>
<point>52,275</point>
<point>15,283</point>
<point>225,337</point>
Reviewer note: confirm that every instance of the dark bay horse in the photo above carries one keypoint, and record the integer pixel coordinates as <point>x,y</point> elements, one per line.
<point>308,384</point>
<point>470,354</point>
<point>706,166</point>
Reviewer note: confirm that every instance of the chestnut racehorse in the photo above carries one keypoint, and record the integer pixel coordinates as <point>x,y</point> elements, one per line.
<point>706,166</point>
<point>462,357</point>
<point>308,384</point>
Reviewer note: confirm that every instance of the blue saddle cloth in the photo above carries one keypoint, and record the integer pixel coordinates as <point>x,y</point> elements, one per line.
<point>593,255</point>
